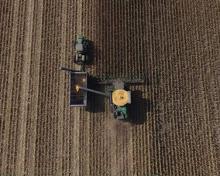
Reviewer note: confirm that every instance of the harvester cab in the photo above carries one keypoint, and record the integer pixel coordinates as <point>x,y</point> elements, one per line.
<point>117,94</point>
<point>120,98</point>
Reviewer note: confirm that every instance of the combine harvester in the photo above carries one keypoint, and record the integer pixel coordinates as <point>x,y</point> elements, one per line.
<point>116,92</point>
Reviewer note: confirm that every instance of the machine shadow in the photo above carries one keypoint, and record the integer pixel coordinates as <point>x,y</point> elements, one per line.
<point>90,52</point>
<point>96,102</point>
<point>138,108</point>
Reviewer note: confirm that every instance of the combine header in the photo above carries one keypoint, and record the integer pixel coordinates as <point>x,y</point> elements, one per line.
<point>117,94</point>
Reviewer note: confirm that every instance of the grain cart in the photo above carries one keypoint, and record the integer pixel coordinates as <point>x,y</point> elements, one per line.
<point>116,92</point>
<point>77,98</point>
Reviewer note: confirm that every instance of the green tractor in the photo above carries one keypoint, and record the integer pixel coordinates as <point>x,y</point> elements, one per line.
<point>82,49</point>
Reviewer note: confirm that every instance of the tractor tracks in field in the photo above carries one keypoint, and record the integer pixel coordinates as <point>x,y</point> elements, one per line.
<point>8,112</point>
<point>48,129</point>
<point>25,88</point>
<point>5,67</point>
<point>34,92</point>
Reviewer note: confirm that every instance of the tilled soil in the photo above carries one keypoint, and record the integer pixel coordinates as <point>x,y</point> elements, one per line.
<point>175,119</point>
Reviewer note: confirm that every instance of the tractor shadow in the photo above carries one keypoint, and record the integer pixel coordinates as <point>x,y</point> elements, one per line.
<point>138,108</point>
<point>90,53</point>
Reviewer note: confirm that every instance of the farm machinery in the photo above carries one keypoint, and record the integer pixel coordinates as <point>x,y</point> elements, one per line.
<point>116,89</point>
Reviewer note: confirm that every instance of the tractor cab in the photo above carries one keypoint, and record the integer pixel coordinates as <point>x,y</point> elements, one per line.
<point>82,46</point>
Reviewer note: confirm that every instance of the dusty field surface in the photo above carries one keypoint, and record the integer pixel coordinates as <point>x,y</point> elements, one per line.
<point>175,126</point>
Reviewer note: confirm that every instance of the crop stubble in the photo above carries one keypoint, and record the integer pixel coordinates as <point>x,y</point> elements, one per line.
<point>175,126</point>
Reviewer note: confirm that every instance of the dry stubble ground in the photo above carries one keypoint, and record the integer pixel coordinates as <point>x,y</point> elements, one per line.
<point>175,126</point>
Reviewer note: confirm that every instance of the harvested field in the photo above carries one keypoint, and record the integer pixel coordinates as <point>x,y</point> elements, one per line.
<point>175,127</point>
